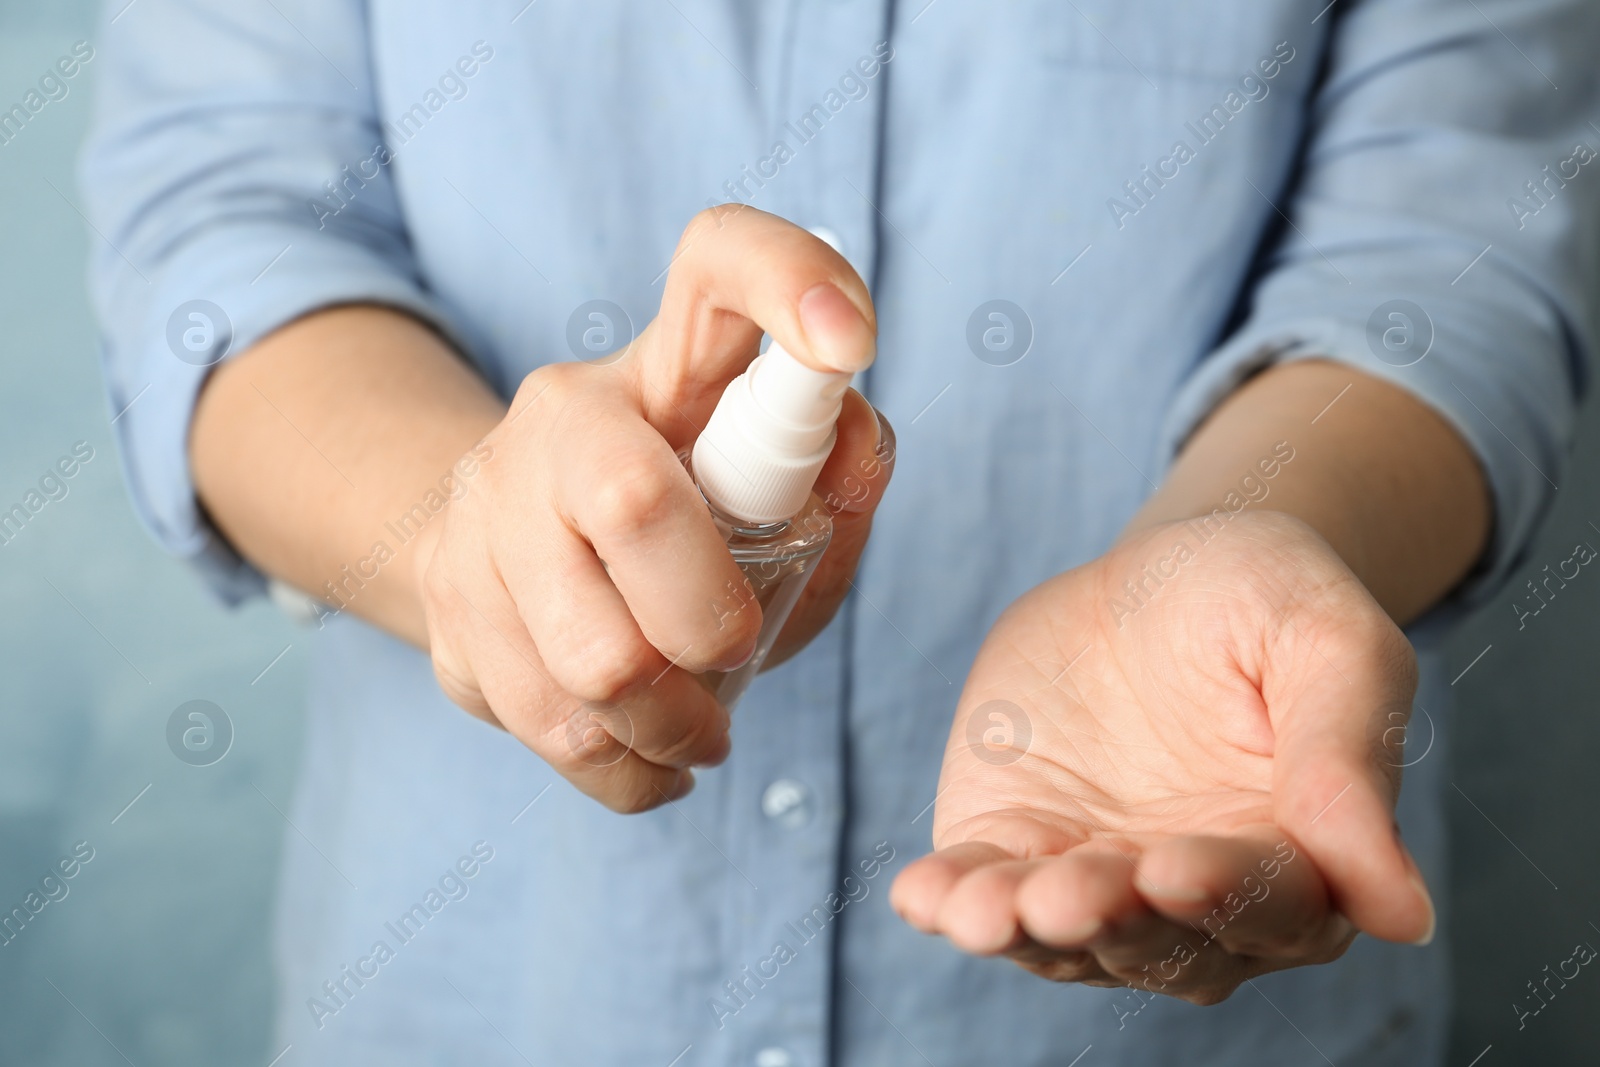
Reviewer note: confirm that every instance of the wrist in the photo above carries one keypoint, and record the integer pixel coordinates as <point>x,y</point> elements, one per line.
<point>1381,477</point>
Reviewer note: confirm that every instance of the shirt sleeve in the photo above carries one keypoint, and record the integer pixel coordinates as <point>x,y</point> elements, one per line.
<point>1440,234</point>
<point>235,179</point>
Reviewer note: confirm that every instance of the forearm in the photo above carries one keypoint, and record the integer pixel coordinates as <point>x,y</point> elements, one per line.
<point>313,447</point>
<point>1386,481</point>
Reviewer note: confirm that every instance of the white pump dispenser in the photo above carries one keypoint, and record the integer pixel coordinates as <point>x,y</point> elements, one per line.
<point>768,438</point>
<point>756,463</point>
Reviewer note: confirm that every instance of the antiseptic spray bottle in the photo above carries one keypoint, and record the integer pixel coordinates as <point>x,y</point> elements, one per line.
<point>755,465</point>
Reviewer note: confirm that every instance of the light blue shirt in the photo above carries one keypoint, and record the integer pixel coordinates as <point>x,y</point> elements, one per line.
<point>1166,194</point>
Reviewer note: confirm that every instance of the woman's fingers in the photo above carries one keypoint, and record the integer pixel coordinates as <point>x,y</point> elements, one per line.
<point>487,662</point>
<point>1187,916</point>
<point>1055,965</point>
<point>619,487</point>
<point>858,468</point>
<point>737,274</point>
<point>919,891</point>
<point>1085,906</point>
<point>1336,774</point>
<point>1254,895</point>
<point>979,914</point>
<point>597,580</point>
<point>1081,898</point>
<point>850,487</point>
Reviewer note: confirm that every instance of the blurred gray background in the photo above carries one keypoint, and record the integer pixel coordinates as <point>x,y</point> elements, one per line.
<point>158,954</point>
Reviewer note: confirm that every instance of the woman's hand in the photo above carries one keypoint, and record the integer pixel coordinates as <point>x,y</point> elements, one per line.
<point>1176,768</point>
<point>574,591</point>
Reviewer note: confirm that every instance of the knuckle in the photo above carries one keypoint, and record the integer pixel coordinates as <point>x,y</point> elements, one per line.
<point>635,494</point>
<point>706,222</point>
<point>636,796</point>
<point>1209,995</point>
<point>551,389</point>
<point>550,376</point>
<point>700,737</point>
<point>610,669</point>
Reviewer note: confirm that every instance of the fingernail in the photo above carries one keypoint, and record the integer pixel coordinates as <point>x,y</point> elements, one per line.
<point>738,661</point>
<point>838,334</point>
<point>1433,916</point>
<point>885,449</point>
<point>861,488</point>
<point>1415,875</point>
<point>682,786</point>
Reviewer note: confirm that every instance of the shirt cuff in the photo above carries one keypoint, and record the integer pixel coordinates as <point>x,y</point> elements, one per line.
<point>156,360</point>
<point>1517,446</point>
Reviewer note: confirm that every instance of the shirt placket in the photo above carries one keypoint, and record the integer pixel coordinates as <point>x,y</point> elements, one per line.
<point>818,168</point>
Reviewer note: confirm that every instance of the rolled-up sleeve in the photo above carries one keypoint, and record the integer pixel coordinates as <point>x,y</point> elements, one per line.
<point>1441,234</point>
<point>219,129</point>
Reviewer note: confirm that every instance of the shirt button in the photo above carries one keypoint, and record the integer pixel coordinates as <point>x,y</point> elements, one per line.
<point>774,1057</point>
<point>787,803</point>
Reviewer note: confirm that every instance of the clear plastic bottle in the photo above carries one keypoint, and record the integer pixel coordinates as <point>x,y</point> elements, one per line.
<point>777,560</point>
<point>755,464</point>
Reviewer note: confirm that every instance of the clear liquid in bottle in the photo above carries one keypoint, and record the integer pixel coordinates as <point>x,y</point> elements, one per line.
<point>777,560</point>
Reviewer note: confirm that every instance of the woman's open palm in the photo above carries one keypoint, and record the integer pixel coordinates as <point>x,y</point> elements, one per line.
<point>1176,768</point>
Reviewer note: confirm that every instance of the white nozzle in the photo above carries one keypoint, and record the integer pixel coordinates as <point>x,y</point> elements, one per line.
<point>768,438</point>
